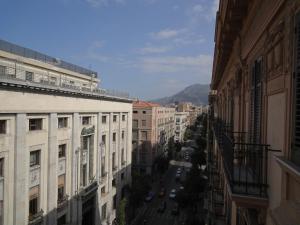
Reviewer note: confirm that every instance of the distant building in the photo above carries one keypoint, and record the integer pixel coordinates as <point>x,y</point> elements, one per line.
<point>254,143</point>
<point>65,145</point>
<point>181,123</point>
<point>152,127</point>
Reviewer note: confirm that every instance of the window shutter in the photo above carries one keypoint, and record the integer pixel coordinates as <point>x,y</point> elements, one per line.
<point>296,139</point>
<point>256,102</point>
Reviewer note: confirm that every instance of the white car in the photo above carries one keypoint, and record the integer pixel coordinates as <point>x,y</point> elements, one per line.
<point>172,194</point>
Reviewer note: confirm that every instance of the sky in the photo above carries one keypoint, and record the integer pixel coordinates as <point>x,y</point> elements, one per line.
<point>149,48</point>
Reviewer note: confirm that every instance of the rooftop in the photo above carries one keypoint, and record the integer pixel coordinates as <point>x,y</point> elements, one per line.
<point>28,53</point>
<point>143,104</point>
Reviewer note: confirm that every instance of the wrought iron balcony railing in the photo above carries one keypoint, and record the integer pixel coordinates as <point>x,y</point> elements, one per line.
<point>245,163</point>
<point>36,218</point>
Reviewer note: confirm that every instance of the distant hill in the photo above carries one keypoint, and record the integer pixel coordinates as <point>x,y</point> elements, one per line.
<point>196,93</point>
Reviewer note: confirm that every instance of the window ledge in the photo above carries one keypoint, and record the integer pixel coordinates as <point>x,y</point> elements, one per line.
<point>289,167</point>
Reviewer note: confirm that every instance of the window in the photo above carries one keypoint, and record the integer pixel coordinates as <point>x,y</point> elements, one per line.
<point>123,134</point>
<point>104,119</point>
<point>144,135</point>
<point>123,117</point>
<point>144,123</point>
<point>62,122</point>
<point>135,112</point>
<point>115,202</point>
<point>144,112</point>
<point>61,188</point>
<point>86,140</point>
<point>29,76</point>
<point>2,70</point>
<point>135,135</point>
<point>104,139</point>
<point>114,137</point>
<point>113,182</point>
<point>2,126</point>
<point>103,173</point>
<point>62,220</point>
<point>86,120</point>
<point>122,176</point>
<point>2,167</point>
<point>135,123</point>
<point>113,161</point>
<point>115,118</point>
<point>35,124</point>
<point>62,151</point>
<point>103,212</point>
<point>256,102</point>
<point>295,153</point>
<point>122,156</point>
<point>84,175</point>
<point>35,158</point>
<point>34,193</point>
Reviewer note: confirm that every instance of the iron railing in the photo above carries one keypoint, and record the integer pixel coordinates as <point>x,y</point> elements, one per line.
<point>245,164</point>
<point>62,82</point>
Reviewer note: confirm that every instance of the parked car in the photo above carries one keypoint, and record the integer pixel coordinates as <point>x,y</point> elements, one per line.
<point>181,187</point>
<point>175,210</point>
<point>149,196</point>
<point>162,207</point>
<point>177,176</point>
<point>172,194</point>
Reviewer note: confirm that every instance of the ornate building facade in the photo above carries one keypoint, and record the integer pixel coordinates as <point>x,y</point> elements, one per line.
<point>253,150</point>
<point>65,145</point>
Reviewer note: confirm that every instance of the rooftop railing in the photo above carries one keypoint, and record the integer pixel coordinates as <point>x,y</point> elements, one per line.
<point>28,53</point>
<point>245,163</point>
<point>20,76</point>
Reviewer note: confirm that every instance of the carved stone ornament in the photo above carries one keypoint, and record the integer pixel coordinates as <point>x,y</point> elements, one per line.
<point>88,130</point>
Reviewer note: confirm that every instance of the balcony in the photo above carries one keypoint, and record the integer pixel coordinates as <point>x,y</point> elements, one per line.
<point>36,218</point>
<point>62,202</point>
<point>103,177</point>
<point>245,164</point>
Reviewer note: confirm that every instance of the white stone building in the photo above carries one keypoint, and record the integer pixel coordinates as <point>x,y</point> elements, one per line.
<point>181,123</point>
<point>65,145</point>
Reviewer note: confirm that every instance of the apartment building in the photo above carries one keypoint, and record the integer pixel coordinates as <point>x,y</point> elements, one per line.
<point>65,145</point>
<point>152,128</point>
<point>181,124</point>
<point>253,150</point>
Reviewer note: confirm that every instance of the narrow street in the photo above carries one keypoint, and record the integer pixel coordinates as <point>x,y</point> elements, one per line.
<point>151,215</point>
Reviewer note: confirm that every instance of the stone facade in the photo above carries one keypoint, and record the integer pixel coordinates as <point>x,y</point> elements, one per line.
<point>253,148</point>
<point>65,145</point>
<point>181,123</point>
<point>153,127</point>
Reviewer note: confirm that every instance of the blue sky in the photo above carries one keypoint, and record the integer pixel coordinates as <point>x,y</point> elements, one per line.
<point>149,48</point>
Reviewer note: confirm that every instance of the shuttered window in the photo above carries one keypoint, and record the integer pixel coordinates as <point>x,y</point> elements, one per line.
<point>296,133</point>
<point>256,102</point>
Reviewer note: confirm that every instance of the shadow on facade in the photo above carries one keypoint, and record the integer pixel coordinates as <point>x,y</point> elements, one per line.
<point>87,207</point>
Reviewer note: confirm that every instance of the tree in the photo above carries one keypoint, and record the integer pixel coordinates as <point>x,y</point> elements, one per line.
<point>122,215</point>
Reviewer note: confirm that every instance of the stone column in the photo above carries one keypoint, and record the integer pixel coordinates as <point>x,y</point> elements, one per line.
<point>52,170</point>
<point>75,212</point>
<point>110,150</point>
<point>21,173</point>
<point>129,147</point>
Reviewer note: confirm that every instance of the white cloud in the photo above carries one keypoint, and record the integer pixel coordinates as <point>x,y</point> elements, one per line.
<point>198,8</point>
<point>153,50</point>
<point>98,3</point>
<point>167,33</point>
<point>172,64</point>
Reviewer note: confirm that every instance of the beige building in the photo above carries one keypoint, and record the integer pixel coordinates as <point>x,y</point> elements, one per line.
<point>181,123</point>
<point>152,127</point>
<point>65,145</point>
<point>254,147</point>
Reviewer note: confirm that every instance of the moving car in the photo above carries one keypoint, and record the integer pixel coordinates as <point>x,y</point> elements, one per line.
<point>172,194</point>
<point>150,196</point>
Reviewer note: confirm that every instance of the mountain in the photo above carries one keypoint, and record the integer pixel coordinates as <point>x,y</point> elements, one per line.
<point>196,94</point>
